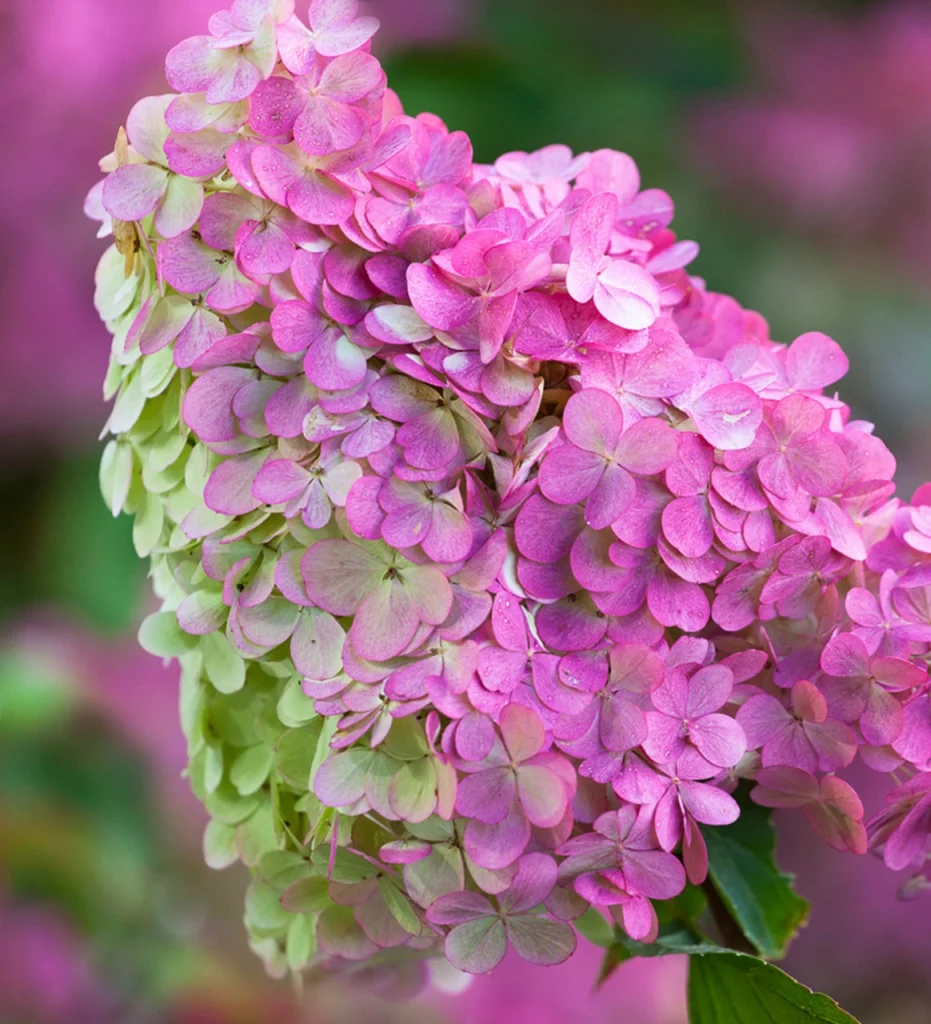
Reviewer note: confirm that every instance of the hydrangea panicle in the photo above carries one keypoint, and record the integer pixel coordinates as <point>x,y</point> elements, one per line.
<point>496,551</point>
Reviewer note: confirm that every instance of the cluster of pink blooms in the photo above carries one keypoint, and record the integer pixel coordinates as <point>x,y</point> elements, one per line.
<point>485,459</point>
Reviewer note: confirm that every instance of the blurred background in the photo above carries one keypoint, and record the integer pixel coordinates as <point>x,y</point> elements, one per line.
<point>796,141</point>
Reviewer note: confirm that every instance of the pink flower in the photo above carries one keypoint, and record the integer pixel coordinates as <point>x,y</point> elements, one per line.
<point>137,189</point>
<point>238,54</point>
<point>334,28</point>
<point>319,108</point>
<point>479,932</point>
<point>686,727</point>
<point>445,470</point>
<point>617,865</point>
<point>861,688</point>
<point>804,737</point>
<point>388,596</point>
<point>597,462</point>
<point>901,831</point>
<point>831,806</point>
<point>514,786</point>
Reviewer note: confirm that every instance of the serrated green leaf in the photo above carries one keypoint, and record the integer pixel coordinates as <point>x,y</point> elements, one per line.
<point>742,867</point>
<point>733,988</point>
<point>673,939</point>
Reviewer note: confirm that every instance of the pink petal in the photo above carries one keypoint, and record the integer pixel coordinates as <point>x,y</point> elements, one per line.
<point>727,416</point>
<point>719,739</point>
<point>627,295</point>
<point>521,731</point>
<point>339,575</point>
<point>499,845</point>
<point>441,303</point>
<point>542,794</point>
<point>325,126</point>
<point>385,622</point>
<point>647,447</point>
<point>478,946</point>
<point>132,192</point>
<point>688,526</point>
<point>592,421</point>
<point>317,644</point>
<point>279,480</point>
<point>570,474</point>
<point>333,362</point>
<point>814,361</point>
<point>487,796</point>
<point>845,656</point>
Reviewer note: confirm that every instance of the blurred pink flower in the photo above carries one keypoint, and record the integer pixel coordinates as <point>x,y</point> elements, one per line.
<point>639,992</point>
<point>45,976</point>
<point>838,131</point>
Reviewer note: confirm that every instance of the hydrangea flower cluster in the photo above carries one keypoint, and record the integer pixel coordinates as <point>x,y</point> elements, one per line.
<point>495,549</point>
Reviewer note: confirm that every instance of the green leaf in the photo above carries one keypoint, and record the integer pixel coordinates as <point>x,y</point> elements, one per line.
<point>220,845</point>
<point>251,768</point>
<point>743,870</point>
<point>224,668</point>
<point>595,927</point>
<point>732,988</point>
<point>161,635</point>
<point>399,907</point>
<point>295,708</point>
<point>256,836</point>
<point>295,754</point>
<point>307,895</point>
<point>301,941</point>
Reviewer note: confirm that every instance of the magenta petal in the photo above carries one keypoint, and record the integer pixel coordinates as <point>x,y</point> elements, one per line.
<point>687,525</point>
<point>487,796</point>
<point>280,480</point>
<point>727,416</point>
<point>592,421</point>
<point>333,362</point>
<point>542,795</point>
<point>610,498</point>
<point>441,303</point>
<point>499,845</point>
<point>708,804</point>
<point>570,474</point>
<point>385,622</point>
<point>719,739</point>
<point>132,192</point>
